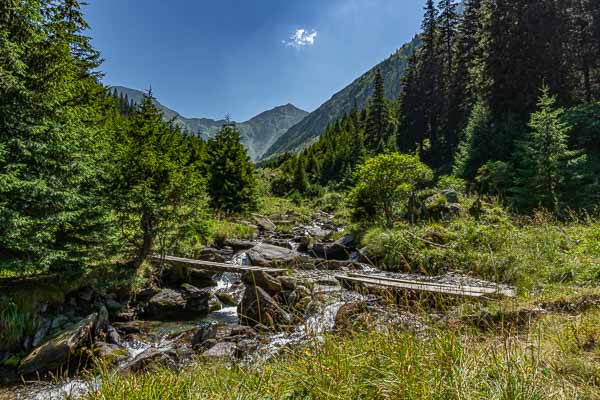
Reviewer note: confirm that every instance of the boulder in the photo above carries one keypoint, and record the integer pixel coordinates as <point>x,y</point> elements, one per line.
<point>171,304</point>
<point>41,332</point>
<point>57,352</point>
<point>266,255</point>
<point>238,245</point>
<point>166,303</point>
<point>258,307</point>
<point>335,265</point>
<point>112,336</point>
<point>262,280</point>
<point>288,282</point>
<point>339,250</point>
<point>175,275</point>
<point>226,299</point>
<point>197,300</point>
<point>242,331</point>
<point>214,304</point>
<point>280,243</point>
<point>264,223</point>
<point>221,350</point>
<point>150,360</point>
<point>203,334</point>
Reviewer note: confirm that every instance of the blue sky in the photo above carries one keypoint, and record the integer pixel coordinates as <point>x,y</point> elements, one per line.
<point>206,58</point>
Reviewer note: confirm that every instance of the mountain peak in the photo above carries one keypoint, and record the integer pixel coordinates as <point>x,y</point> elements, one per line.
<point>258,133</point>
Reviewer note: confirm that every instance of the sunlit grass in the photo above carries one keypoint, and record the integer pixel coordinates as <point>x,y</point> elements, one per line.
<point>557,358</point>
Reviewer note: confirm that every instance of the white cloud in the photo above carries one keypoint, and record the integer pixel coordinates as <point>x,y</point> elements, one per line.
<point>300,38</point>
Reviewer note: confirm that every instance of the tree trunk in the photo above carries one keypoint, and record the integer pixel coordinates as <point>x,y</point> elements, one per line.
<point>148,224</point>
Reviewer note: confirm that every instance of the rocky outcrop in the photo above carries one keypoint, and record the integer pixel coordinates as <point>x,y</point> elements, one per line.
<point>64,350</point>
<point>150,360</point>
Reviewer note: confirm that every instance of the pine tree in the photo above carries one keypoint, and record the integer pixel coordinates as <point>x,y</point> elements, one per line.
<point>158,182</point>
<point>300,182</point>
<point>479,144</point>
<point>542,157</point>
<point>377,122</point>
<point>53,215</point>
<point>231,185</point>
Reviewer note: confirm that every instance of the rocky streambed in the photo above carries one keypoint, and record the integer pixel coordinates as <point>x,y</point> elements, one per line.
<point>188,314</point>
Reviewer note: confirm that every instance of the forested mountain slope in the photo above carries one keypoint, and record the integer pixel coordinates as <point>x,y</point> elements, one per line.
<point>356,94</point>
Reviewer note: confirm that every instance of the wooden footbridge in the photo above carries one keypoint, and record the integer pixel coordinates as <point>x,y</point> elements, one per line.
<point>215,267</point>
<point>421,286</point>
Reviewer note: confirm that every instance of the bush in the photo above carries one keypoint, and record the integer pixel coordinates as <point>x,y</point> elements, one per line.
<point>384,184</point>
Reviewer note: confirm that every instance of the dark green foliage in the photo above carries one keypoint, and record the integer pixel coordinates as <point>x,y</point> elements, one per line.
<point>377,127</point>
<point>52,209</point>
<point>384,185</point>
<point>231,185</point>
<point>159,189</point>
<point>479,143</point>
<point>542,156</point>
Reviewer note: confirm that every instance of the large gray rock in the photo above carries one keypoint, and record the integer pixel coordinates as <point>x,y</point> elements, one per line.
<point>262,280</point>
<point>58,352</point>
<point>221,350</point>
<point>266,255</point>
<point>339,250</point>
<point>258,308</point>
<point>171,304</point>
<point>175,275</point>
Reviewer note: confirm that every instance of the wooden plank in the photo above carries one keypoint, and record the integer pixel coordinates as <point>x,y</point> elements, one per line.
<point>414,286</point>
<point>481,289</point>
<point>211,266</point>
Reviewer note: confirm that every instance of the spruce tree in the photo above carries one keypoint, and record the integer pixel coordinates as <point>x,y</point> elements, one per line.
<point>53,214</point>
<point>159,185</point>
<point>377,122</point>
<point>300,182</point>
<point>542,156</point>
<point>232,182</point>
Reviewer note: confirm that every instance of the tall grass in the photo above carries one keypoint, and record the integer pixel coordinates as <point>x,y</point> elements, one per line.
<point>529,252</point>
<point>447,364</point>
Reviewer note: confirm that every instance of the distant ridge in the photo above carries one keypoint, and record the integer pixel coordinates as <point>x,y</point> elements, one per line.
<point>258,134</point>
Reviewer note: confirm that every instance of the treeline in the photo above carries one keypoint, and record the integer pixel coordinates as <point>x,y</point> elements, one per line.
<point>504,95</point>
<point>87,177</point>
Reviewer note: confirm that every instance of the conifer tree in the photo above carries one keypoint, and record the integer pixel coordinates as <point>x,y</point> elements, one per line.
<point>232,184</point>
<point>53,214</point>
<point>158,183</point>
<point>377,122</point>
<point>300,182</point>
<point>542,156</point>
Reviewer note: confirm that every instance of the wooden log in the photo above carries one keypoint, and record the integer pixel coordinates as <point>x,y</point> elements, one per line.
<point>419,286</point>
<point>507,292</point>
<point>216,267</point>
